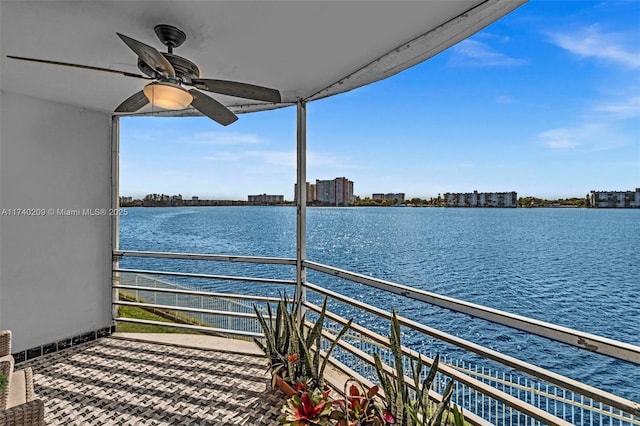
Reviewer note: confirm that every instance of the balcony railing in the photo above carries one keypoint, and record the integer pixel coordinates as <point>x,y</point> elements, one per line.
<point>490,386</point>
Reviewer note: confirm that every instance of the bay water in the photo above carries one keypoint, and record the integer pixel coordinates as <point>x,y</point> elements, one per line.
<point>578,268</point>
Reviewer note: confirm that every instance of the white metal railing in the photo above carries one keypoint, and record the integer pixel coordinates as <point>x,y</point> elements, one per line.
<point>221,313</point>
<point>491,399</point>
<point>590,342</point>
<point>535,371</point>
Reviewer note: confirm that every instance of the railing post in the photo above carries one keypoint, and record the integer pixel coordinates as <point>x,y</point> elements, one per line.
<point>301,204</point>
<point>115,219</point>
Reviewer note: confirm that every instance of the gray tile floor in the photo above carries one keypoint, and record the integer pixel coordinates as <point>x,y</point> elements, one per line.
<point>123,382</point>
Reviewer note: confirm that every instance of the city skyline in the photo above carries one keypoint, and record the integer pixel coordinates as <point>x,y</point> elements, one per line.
<point>544,102</point>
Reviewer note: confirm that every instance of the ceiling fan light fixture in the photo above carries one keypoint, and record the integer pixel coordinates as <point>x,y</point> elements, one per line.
<point>167,95</point>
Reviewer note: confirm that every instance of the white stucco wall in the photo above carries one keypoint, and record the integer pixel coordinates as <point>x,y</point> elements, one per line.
<point>54,269</point>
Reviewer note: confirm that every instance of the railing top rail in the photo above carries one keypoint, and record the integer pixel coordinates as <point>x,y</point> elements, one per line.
<point>146,272</point>
<point>587,341</point>
<point>211,257</point>
<point>539,372</point>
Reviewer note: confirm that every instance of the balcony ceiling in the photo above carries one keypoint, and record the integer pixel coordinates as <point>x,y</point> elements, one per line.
<point>306,49</point>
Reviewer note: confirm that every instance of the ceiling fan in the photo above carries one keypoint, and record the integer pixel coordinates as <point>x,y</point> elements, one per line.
<point>169,73</point>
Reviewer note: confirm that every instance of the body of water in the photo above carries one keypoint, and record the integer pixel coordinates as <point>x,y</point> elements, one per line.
<point>578,268</point>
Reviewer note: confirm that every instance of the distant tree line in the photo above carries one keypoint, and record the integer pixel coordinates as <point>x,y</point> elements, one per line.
<point>560,202</point>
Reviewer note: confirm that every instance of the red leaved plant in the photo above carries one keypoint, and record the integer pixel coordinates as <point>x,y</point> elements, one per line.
<point>359,409</point>
<point>307,409</point>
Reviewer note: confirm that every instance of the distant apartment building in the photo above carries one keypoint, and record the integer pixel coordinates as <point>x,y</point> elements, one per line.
<point>311,192</point>
<point>266,199</point>
<point>398,198</point>
<point>615,199</point>
<point>336,192</point>
<point>481,199</point>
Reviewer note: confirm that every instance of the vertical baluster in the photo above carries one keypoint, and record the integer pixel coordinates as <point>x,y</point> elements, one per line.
<point>482,405</point>
<point>546,398</point>
<point>476,394</point>
<point>503,405</point>
<point>202,307</point>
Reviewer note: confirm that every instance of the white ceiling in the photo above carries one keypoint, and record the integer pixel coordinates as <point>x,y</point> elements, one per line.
<point>305,49</point>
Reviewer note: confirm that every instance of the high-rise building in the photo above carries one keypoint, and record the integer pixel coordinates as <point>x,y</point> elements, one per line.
<point>311,193</point>
<point>336,192</point>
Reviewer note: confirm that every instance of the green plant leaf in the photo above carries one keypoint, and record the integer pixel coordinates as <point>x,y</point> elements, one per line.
<point>458,418</point>
<point>333,344</point>
<point>436,419</point>
<point>318,326</point>
<point>268,332</point>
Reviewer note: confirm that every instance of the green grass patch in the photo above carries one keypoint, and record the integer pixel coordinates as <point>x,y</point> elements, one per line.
<point>136,312</point>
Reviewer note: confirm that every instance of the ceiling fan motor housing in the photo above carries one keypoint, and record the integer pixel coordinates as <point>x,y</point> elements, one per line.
<point>172,37</point>
<point>183,67</point>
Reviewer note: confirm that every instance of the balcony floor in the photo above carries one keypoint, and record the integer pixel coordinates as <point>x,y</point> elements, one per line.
<point>114,381</point>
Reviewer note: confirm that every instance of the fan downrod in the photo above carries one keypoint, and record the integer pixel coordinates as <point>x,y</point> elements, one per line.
<point>170,36</point>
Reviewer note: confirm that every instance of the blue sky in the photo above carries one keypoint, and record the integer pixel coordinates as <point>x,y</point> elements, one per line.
<point>545,102</point>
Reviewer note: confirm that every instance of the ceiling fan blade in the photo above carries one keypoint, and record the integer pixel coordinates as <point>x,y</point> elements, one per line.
<point>212,108</point>
<point>237,89</point>
<point>150,56</point>
<point>86,67</point>
<point>133,103</point>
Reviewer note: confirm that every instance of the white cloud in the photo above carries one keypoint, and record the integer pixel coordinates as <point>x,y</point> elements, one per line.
<point>587,136</point>
<point>592,43</point>
<point>628,108</point>
<point>476,53</point>
<point>562,138</point>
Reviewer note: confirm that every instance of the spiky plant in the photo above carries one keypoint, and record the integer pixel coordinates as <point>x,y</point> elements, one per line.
<point>407,411</point>
<point>419,409</point>
<point>305,344</point>
<point>395,388</point>
<point>277,338</point>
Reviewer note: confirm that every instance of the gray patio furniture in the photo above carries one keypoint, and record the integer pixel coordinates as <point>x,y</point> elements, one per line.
<point>18,402</point>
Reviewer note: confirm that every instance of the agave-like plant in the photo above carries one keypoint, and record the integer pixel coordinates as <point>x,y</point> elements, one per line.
<point>418,409</point>
<point>306,409</point>
<point>395,388</point>
<point>403,410</point>
<point>292,348</point>
<point>277,338</point>
<point>304,346</point>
